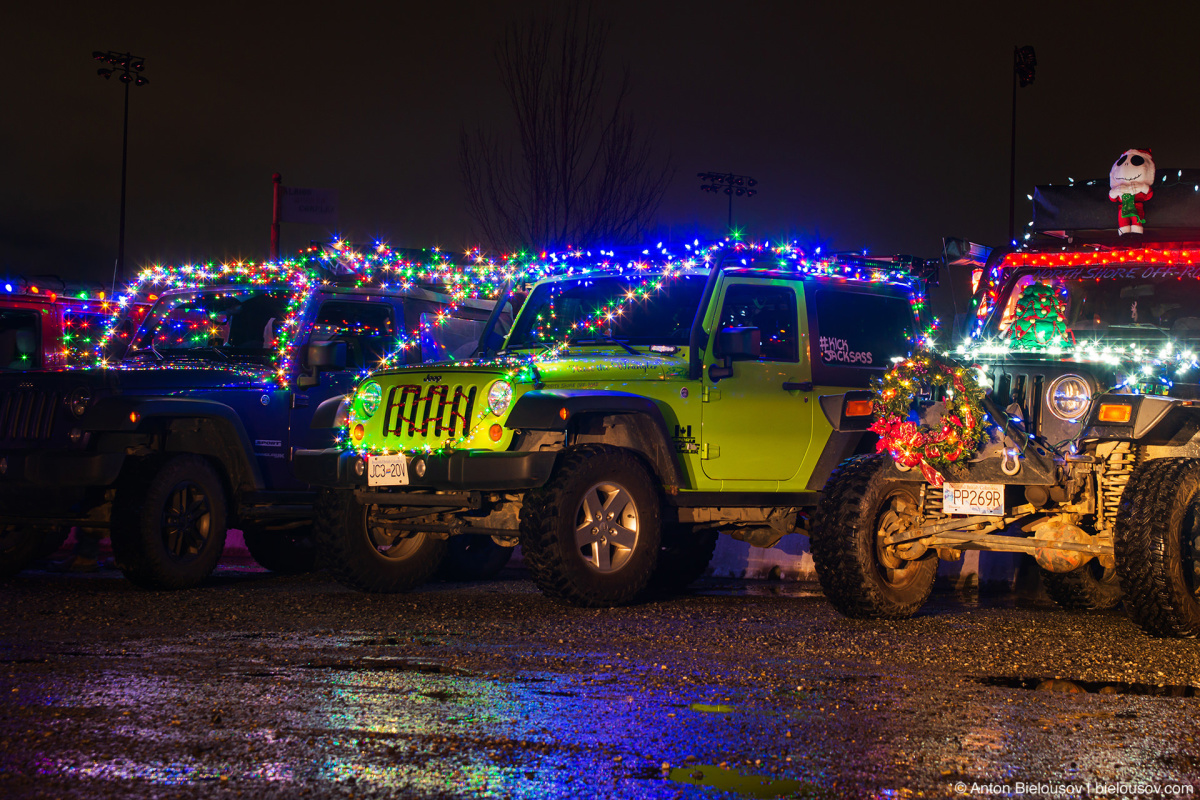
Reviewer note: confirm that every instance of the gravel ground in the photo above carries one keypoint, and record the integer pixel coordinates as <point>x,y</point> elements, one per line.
<point>263,686</point>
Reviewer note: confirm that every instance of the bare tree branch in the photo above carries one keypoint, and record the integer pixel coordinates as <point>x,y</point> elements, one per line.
<point>575,169</point>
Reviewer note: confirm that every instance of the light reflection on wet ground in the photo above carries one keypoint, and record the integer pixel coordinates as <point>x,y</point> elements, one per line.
<point>283,686</point>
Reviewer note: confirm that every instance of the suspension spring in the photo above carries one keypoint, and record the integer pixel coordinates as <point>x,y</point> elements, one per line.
<point>1118,467</point>
<point>933,502</point>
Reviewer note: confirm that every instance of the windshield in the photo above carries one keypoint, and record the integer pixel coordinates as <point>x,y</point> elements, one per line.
<point>639,315</point>
<point>19,333</point>
<point>1072,305</point>
<point>217,322</point>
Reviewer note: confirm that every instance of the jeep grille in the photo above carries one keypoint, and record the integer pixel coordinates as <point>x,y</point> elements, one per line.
<point>1026,386</point>
<point>1023,388</point>
<point>26,414</point>
<point>430,410</point>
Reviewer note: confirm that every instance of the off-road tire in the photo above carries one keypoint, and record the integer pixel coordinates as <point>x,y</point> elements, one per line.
<point>473,557</point>
<point>153,551</point>
<point>548,528</point>
<point>286,552</point>
<point>346,547</point>
<point>684,557</point>
<point>1158,522</point>
<point>843,543</point>
<point>21,545</point>
<point>1089,588</point>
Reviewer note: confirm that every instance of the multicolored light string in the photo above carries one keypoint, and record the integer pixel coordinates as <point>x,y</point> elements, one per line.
<point>655,275</point>
<point>1142,367</point>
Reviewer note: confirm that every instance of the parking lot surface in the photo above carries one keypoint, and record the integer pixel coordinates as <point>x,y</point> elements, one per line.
<point>262,686</point>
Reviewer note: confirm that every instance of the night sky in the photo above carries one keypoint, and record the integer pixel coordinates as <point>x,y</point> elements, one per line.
<point>880,126</point>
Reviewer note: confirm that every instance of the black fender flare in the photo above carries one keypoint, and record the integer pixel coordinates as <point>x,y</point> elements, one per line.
<point>1165,421</point>
<point>833,406</point>
<point>330,413</point>
<point>561,409</point>
<point>122,414</point>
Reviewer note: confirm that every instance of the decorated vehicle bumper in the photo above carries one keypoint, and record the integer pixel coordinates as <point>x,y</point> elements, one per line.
<point>475,470</point>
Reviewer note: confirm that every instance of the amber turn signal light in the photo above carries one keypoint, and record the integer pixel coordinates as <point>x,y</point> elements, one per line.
<point>496,433</point>
<point>359,432</point>
<point>858,408</point>
<point>1116,412</point>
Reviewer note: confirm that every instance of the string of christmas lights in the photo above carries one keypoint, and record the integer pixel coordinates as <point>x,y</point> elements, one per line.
<point>654,278</point>
<point>1143,367</point>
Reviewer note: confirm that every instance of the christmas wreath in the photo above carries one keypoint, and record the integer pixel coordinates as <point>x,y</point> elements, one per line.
<point>932,448</point>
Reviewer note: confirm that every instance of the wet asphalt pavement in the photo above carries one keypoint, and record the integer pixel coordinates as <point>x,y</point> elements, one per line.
<point>263,686</point>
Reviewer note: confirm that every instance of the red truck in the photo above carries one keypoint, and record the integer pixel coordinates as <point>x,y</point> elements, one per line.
<point>46,323</point>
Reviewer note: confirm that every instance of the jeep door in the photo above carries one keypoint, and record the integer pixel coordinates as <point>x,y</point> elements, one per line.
<point>757,423</point>
<point>369,326</point>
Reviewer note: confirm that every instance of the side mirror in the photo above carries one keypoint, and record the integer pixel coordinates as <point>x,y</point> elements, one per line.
<point>326,355</point>
<point>734,344</point>
<point>321,356</point>
<point>739,344</point>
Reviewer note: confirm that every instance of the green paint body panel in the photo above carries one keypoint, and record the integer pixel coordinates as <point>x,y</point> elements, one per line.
<point>746,433</point>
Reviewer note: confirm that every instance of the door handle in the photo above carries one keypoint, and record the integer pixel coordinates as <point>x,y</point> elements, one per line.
<point>802,386</point>
<point>299,400</point>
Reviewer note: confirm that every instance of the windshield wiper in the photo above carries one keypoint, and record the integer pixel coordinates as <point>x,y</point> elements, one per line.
<point>143,351</point>
<point>604,338</point>
<point>208,348</point>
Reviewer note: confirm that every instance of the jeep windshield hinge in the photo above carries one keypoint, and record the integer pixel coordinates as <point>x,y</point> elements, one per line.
<point>696,335</point>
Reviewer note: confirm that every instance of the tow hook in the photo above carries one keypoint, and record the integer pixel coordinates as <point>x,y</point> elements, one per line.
<point>1010,464</point>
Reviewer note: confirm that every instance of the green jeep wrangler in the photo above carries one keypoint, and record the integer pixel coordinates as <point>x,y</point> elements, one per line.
<point>629,416</point>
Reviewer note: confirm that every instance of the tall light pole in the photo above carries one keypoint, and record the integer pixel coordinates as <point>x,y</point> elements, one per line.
<point>128,68</point>
<point>1024,62</point>
<point>730,184</point>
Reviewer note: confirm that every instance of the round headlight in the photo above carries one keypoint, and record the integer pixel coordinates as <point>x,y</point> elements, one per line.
<point>78,400</point>
<point>1069,397</point>
<point>499,397</point>
<point>369,395</point>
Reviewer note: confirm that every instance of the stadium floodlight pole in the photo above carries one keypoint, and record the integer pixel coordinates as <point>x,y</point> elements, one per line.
<point>1024,64</point>
<point>128,68</point>
<point>730,184</point>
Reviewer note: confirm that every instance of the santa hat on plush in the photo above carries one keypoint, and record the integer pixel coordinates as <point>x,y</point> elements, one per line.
<point>1131,183</point>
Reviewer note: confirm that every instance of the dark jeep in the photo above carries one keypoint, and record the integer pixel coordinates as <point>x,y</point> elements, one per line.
<point>193,428</point>
<point>1087,345</point>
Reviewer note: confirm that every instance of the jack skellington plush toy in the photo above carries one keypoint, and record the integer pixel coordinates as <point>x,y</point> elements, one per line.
<point>1130,183</point>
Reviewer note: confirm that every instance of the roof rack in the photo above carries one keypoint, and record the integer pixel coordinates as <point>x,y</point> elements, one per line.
<point>1081,212</point>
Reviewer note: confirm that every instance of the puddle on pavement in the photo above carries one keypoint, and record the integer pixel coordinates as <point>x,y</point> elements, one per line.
<point>1091,687</point>
<point>729,780</point>
<point>383,665</point>
<point>743,588</point>
<point>401,638</point>
<point>706,708</point>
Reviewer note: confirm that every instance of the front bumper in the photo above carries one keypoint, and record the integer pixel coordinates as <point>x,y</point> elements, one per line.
<point>471,470</point>
<point>60,467</point>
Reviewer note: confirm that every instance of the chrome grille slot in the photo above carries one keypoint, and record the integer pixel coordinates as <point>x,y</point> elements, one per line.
<point>27,414</point>
<point>417,411</point>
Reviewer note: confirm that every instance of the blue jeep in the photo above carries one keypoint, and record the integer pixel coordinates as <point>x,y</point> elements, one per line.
<point>193,429</point>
